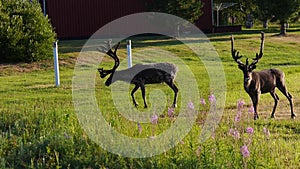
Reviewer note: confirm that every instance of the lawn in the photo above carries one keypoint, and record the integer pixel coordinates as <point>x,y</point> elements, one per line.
<point>41,129</point>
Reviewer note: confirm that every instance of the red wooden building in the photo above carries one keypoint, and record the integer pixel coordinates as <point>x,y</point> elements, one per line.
<point>81,18</point>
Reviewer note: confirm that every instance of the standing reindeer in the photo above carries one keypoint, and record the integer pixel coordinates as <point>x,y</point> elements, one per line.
<point>140,74</point>
<point>260,82</point>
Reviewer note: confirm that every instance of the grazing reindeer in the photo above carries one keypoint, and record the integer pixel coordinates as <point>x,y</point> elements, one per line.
<point>265,81</point>
<point>140,74</point>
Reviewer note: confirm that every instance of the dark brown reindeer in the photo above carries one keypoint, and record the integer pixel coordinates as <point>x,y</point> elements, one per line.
<point>139,74</point>
<point>260,82</point>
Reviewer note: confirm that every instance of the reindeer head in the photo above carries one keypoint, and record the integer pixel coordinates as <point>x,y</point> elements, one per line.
<point>107,49</point>
<point>247,68</point>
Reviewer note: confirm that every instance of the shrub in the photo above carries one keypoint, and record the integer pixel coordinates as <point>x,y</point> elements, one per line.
<point>26,35</point>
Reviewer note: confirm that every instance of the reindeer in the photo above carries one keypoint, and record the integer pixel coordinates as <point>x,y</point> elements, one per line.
<point>139,74</point>
<point>260,82</point>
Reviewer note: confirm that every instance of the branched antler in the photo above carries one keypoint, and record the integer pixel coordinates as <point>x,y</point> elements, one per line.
<point>235,53</point>
<point>107,49</point>
<point>259,56</point>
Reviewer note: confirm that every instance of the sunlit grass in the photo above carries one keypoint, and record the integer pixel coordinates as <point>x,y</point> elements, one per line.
<point>40,129</point>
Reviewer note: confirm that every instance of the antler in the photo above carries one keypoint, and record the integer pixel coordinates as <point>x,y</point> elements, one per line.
<point>259,56</point>
<point>107,49</point>
<point>235,53</point>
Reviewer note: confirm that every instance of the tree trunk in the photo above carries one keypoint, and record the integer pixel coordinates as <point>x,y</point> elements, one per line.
<point>265,24</point>
<point>283,29</point>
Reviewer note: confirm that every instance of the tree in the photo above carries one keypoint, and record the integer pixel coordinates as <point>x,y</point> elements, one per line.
<point>186,9</point>
<point>242,11</point>
<point>282,10</point>
<point>26,35</point>
<point>263,12</point>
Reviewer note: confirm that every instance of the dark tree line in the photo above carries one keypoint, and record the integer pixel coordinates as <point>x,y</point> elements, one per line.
<point>190,10</point>
<point>281,10</point>
<point>264,10</point>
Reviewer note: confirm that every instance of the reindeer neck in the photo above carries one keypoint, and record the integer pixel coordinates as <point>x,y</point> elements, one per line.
<point>253,81</point>
<point>122,75</point>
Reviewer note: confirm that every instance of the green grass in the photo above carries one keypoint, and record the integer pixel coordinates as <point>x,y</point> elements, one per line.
<point>40,129</point>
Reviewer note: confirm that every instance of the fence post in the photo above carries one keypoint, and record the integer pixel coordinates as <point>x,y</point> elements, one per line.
<point>44,7</point>
<point>129,56</point>
<point>56,64</point>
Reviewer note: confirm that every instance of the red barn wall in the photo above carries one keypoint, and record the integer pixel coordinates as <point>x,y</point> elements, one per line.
<point>205,22</point>
<point>81,18</point>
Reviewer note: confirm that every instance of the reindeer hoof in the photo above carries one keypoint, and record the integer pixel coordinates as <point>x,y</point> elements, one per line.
<point>174,105</point>
<point>136,105</point>
<point>293,116</point>
<point>255,117</point>
<point>145,107</point>
<point>273,116</point>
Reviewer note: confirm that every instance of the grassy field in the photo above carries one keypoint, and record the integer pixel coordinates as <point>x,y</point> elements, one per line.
<point>40,129</point>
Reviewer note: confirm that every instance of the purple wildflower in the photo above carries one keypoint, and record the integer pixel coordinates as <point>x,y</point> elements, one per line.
<point>238,116</point>
<point>154,119</point>
<point>191,106</point>
<point>231,131</point>
<point>249,130</point>
<point>202,101</point>
<point>139,128</point>
<point>245,152</point>
<point>240,105</point>
<point>170,112</point>
<point>181,142</point>
<point>234,133</point>
<point>251,109</point>
<point>266,132</point>
<point>212,98</point>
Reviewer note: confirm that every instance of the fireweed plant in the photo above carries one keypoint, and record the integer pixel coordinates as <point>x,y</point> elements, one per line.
<point>240,142</point>
<point>243,134</point>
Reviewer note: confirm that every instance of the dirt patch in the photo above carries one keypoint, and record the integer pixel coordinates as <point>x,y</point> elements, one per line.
<point>10,69</point>
<point>287,38</point>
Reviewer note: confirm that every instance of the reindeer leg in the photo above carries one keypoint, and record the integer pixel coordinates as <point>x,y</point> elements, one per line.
<point>175,89</point>
<point>276,98</point>
<point>132,94</point>
<point>144,95</point>
<point>293,115</point>
<point>284,91</point>
<point>254,99</point>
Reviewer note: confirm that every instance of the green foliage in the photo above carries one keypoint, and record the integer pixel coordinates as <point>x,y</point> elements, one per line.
<point>263,10</point>
<point>283,11</point>
<point>240,11</point>
<point>189,10</point>
<point>25,33</point>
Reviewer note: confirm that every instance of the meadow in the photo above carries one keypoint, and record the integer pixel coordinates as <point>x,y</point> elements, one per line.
<point>40,128</point>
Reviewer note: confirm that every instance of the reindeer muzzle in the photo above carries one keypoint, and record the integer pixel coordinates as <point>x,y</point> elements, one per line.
<point>246,80</point>
<point>101,72</point>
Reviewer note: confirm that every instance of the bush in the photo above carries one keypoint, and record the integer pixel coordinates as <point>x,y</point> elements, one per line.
<point>26,35</point>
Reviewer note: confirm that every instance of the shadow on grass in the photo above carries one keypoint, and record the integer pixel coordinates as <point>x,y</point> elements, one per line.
<point>69,46</point>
